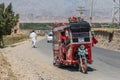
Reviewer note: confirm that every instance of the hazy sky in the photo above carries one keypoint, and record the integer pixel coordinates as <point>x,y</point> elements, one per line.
<point>59,7</point>
<point>32,5</point>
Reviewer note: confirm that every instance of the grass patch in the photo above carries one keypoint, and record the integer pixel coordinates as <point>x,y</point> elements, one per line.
<point>8,40</point>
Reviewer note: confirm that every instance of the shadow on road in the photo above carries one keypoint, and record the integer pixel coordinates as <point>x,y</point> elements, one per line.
<point>73,69</point>
<point>90,69</point>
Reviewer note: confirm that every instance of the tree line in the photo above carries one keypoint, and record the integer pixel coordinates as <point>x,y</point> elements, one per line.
<point>8,20</point>
<point>36,26</point>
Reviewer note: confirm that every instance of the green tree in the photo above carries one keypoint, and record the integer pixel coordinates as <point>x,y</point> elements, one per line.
<point>8,20</point>
<point>113,25</point>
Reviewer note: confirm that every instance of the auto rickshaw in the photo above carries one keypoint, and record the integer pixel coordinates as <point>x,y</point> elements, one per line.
<point>72,44</point>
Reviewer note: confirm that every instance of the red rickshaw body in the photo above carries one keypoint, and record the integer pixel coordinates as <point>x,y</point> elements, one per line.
<point>66,50</point>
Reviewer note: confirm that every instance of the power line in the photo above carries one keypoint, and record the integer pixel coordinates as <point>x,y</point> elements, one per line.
<point>81,11</point>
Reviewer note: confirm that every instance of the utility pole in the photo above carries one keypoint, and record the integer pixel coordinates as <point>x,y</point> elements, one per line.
<point>81,10</point>
<point>119,13</point>
<point>91,11</point>
<point>31,16</point>
<point>116,12</point>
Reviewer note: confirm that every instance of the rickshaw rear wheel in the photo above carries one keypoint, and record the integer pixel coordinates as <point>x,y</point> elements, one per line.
<point>84,69</point>
<point>83,66</point>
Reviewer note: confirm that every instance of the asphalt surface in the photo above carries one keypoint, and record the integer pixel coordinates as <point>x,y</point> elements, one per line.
<point>106,63</point>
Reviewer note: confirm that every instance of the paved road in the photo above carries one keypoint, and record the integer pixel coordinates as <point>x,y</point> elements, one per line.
<point>106,65</point>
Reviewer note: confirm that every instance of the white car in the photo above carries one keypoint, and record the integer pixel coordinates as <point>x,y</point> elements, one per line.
<point>50,37</point>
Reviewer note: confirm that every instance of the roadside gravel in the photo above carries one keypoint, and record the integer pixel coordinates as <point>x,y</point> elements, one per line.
<point>27,64</point>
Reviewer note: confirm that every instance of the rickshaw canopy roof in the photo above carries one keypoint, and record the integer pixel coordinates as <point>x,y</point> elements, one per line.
<point>60,28</point>
<point>81,24</point>
<point>72,25</point>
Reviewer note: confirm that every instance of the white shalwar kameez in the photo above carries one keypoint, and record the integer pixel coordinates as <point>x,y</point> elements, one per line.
<point>33,38</point>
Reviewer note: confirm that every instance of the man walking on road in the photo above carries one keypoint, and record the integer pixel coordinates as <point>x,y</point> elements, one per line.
<point>33,37</point>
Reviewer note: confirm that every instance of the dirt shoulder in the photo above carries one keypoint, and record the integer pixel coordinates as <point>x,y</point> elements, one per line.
<point>21,56</point>
<point>113,45</point>
<point>5,69</point>
<point>28,64</point>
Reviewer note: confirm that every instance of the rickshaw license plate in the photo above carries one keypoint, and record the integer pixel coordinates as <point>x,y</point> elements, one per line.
<point>81,39</point>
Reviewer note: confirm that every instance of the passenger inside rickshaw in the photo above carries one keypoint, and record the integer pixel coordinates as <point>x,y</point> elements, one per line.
<point>65,38</point>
